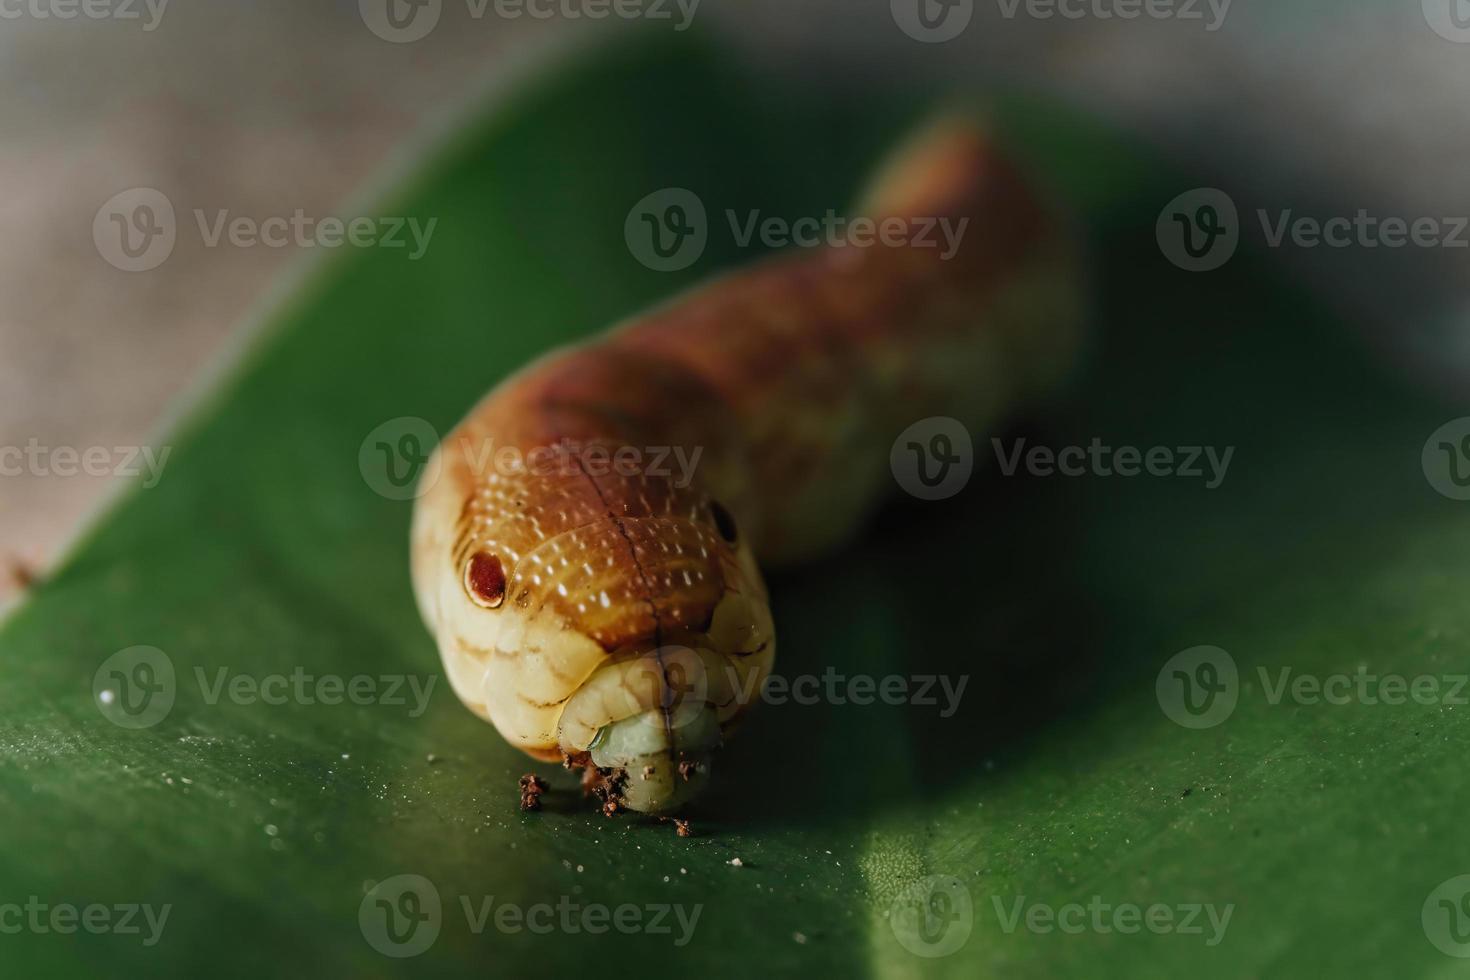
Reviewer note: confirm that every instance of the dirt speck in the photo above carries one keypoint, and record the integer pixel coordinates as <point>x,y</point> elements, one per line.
<point>21,572</point>
<point>532,786</point>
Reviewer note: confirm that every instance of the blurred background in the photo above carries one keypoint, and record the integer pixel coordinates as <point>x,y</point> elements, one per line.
<point>268,106</point>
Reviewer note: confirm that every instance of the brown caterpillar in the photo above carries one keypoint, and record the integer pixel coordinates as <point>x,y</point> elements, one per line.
<point>616,616</point>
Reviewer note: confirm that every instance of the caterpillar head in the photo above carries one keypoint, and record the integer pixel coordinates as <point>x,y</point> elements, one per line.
<point>623,621</point>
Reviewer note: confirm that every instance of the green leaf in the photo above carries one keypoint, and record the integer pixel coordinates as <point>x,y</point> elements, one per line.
<point>1059,779</point>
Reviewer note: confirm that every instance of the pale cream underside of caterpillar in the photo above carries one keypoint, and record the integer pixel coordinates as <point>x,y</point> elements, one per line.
<point>618,618</point>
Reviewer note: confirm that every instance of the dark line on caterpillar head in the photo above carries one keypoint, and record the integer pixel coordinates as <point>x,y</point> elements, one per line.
<point>658,626</point>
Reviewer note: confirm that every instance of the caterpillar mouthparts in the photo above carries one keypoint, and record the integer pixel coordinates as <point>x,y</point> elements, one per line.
<point>602,609</point>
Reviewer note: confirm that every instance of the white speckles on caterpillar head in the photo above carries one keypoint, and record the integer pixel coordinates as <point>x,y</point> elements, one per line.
<point>621,618</point>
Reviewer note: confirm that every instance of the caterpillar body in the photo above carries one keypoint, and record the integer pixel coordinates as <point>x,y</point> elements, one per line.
<point>615,616</point>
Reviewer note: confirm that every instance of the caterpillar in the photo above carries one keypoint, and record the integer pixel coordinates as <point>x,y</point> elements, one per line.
<point>614,617</point>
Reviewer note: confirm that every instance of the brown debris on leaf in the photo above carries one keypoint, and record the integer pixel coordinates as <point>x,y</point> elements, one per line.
<point>686,769</point>
<point>532,786</point>
<point>21,573</point>
<point>604,784</point>
<point>607,786</point>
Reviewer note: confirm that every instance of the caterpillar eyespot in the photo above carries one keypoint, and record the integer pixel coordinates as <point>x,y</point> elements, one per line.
<point>484,579</point>
<point>640,631</point>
